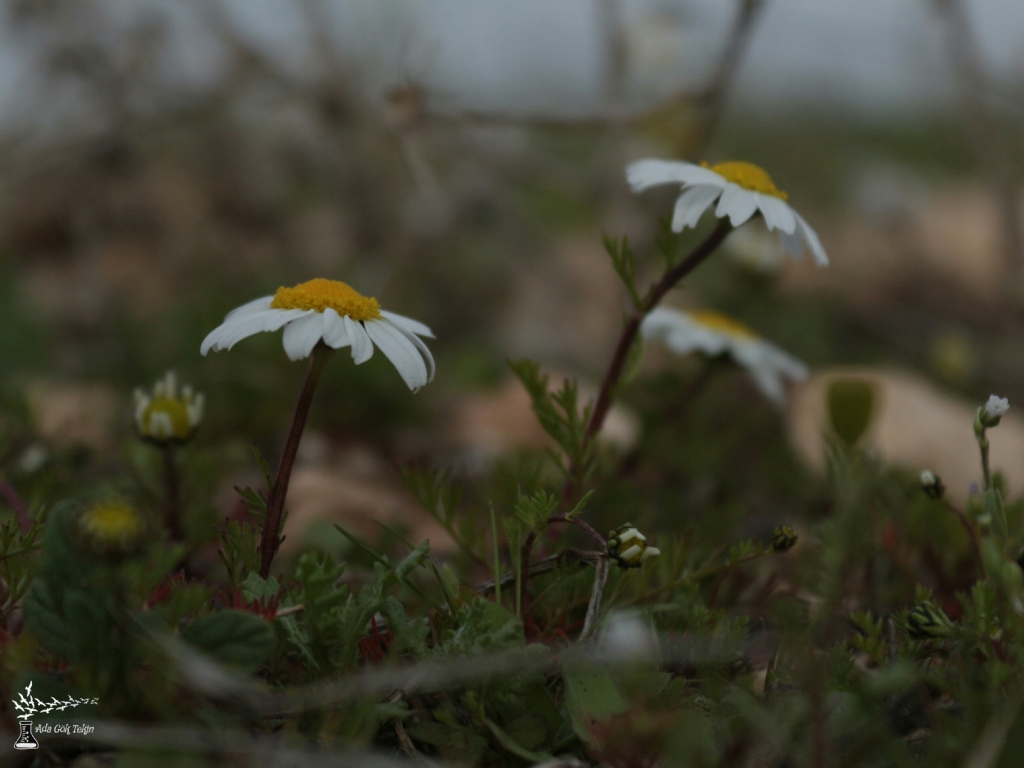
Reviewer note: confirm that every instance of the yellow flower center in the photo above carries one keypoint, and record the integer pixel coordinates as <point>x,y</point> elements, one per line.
<point>319,294</point>
<point>748,176</point>
<point>111,522</point>
<point>177,414</point>
<point>713,321</point>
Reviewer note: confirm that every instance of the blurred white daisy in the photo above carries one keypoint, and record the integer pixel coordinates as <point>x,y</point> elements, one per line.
<point>741,189</point>
<point>335,313</point>
<point>715,334</point>
<point>165,415</point>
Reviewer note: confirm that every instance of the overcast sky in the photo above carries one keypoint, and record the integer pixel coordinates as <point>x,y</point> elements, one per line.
<point>551,56</point>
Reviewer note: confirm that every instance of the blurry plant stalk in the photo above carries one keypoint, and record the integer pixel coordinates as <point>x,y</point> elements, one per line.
<point>668,281</point>
<point>172,485</point>
<point>270,540</point>
<point>988,415</point>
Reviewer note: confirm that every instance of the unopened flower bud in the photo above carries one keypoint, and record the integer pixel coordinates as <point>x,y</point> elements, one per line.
<point>926,621</point>
<point>165,416</point>
<point>628,547</point>
<point>993,410</point>
<point>111,528</point>
<point>932,485</point>
<point>784,539</point>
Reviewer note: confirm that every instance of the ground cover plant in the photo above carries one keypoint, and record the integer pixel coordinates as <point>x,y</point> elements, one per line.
<point>229,313</point>
<point>525,646</point>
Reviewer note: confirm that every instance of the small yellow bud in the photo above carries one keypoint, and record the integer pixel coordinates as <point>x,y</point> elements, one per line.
<point>784,539</point>
<point>111,528</point>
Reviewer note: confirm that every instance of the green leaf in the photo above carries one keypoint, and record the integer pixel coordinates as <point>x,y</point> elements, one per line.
<point>44,620</point>
<point>255,587</point>
<point>624,263</point>
<point>263,467</point>
<point>851,403</point>
<point>591,695</point>
<point>453,742</point>
<point>233,637</point>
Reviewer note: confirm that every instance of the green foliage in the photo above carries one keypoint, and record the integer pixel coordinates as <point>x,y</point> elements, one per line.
<point>624,263</point>
<point>67,606</point>
<point>232,637</point>
<point>239,550</point>
<point>16,561</point>
<point>559,414</point>
<point>851,403</point>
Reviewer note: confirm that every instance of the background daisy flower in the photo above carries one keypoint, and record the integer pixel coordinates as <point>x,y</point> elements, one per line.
<point>332,312</point>
<point>741,189</point>
<point>166,414</point>
<point>715,334</point>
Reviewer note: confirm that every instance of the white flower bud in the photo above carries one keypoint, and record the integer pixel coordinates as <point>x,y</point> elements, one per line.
<point>997,406</point>
<point>993,410</point>
<point>628,547</point>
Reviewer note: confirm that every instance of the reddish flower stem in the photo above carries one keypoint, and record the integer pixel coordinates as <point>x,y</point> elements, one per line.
<point>618,363</point>
<point>275,504</point>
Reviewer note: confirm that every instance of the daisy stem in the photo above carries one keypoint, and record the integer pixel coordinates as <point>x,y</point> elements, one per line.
<point>173,489</point>
<point>668,281</point>
<point>275,504</point>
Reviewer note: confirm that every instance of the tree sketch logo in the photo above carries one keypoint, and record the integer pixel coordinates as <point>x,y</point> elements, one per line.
<point>27,705</point>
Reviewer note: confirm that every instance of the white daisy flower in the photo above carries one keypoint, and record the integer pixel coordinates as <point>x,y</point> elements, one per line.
<point>165,415</point>
<point>715,334</point>
<point>332,312</point>
<point>741,189</point>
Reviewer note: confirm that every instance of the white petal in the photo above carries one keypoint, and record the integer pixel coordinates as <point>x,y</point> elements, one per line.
<point>408,324</point>
<point>769,366</point>
<point>677,331</point>
<point>644,174</point>
<point>737,203</point>
<point>419,345</point>
<point>362,347</point>
<point>258,322</point>
<point>335,335</point>
<point>794,244</point>
<point>256,305</point>
<point>691,206</point>
<point>777,214</point>
<point>300,336</point>
<point>400,351</point>
<point>812,240</point>
<point>230,332</point>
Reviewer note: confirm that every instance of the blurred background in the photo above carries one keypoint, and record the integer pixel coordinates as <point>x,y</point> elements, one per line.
<point>162,162</point>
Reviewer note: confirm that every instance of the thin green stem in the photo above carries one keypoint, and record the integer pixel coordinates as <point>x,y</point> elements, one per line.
<point>497,560</point>
<point>271,538</point>
<point>985,469</point>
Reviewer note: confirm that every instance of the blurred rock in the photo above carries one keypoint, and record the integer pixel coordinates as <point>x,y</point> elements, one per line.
<point>915,425</point>
<point>567,306</point>
<point>490,424</point>
<point>73,414</point>
<point>320,237</point>
<point>950,232</point>
<point>353,488</point>
<point>84,291</point>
